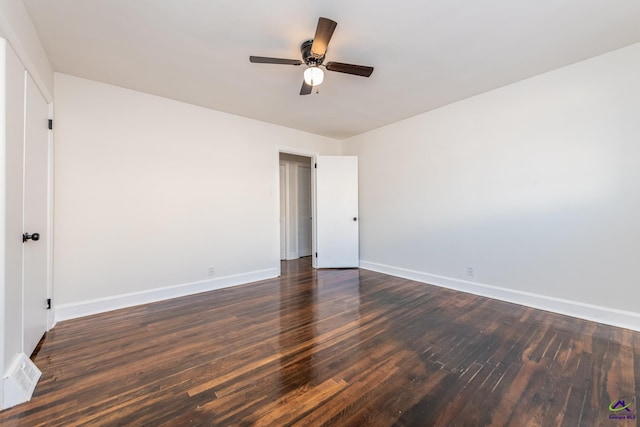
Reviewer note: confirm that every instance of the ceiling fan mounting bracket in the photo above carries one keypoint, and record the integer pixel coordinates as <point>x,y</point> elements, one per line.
<point>308,57</point>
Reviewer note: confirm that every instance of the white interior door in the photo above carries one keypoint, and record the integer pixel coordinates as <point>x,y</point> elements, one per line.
<point>304,209</point>
<point>36,175</point>
<point>337,212</point>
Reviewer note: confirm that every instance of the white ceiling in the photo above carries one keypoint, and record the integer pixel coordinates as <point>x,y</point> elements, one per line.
<point>426,53</point>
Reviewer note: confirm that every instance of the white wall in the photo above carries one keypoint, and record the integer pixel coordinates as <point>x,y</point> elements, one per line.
<point>11,164</point>
<point>534,185</point>
<point>149,193</point>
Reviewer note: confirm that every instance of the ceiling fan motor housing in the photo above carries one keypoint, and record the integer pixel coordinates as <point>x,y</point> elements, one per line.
<point>308,57</point>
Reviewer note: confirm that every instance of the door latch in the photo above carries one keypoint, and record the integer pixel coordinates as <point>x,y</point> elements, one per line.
<point>26,236</point>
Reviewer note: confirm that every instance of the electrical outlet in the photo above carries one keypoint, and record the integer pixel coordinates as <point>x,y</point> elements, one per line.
<point>212,271</point>
<point>470,271</point>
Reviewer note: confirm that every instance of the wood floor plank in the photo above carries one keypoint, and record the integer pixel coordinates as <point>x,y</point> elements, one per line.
<point>331,347</point>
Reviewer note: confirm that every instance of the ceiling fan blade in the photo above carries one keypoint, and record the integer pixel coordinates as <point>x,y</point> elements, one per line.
<point>306,89</point>
<point>324,31</point>
<point>266,60</point>
<point>356,70</point>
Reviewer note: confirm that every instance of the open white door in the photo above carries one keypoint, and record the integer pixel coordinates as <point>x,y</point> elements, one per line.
<point>337,212</point>
<point>36,175</point>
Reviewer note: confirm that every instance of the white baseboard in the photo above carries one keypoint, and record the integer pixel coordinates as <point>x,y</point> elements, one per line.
<point>606,315</point>
<point>101,305</point>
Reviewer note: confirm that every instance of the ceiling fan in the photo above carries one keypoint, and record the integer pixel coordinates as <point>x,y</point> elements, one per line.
<point>313,53</point>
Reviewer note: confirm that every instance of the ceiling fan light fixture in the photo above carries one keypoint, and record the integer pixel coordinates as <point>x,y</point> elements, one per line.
<point>313,76</point>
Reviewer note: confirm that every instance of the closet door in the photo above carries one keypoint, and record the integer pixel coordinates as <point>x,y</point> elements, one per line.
<point>36,176</point>
<point>337,212</point>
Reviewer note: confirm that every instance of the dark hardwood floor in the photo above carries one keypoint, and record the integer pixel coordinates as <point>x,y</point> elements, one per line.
<point>332,347</point>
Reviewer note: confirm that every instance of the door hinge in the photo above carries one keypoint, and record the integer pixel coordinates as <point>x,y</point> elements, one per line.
<point>316,254</point>
<point>315,166</point>
<point>50,124</point>
<point>48,303</point>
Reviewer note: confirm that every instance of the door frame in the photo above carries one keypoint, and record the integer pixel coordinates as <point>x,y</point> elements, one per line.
<point>298,152</point>
<point>291,188</point>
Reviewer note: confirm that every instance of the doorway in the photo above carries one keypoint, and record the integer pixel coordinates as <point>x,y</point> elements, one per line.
<point>296,218</point>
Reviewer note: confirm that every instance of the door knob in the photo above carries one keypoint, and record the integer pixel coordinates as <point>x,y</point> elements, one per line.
<point>26,236</point>
<point>355,218</point>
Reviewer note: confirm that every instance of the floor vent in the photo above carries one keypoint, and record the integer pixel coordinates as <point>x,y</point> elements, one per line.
<point>20,381</point>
